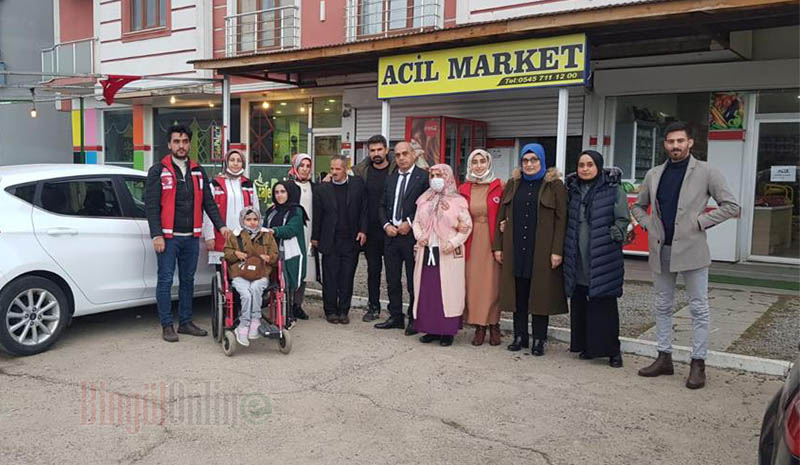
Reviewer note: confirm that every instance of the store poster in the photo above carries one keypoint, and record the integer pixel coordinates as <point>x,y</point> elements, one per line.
<point>726,112</point>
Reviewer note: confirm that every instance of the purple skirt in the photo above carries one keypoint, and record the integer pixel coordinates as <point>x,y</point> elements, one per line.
<point>430,310</point>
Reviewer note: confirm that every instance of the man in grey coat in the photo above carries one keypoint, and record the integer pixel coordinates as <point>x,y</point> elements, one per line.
<point>678,192</point>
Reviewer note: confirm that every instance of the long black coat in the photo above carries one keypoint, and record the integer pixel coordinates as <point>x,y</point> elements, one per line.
<point>326,212</point>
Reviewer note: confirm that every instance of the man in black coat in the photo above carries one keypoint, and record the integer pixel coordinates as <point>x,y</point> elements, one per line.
<point>339,229</point>
<point>398,207</point>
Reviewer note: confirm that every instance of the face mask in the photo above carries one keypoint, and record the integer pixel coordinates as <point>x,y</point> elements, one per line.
<point>235,173</point>
<point>437,184</point>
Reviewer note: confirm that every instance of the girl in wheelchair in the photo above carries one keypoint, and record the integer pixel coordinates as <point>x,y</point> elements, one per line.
<point>251,252</point>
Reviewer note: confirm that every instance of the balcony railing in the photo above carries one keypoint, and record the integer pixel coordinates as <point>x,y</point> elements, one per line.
<point>76,57</point>
<point>262,30</point>
<point>382,18</point>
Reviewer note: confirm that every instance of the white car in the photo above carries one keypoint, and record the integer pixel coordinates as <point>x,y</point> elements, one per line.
<point>73,241</point>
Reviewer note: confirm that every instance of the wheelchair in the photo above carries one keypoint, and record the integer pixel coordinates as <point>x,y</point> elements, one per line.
<point>276,303</point>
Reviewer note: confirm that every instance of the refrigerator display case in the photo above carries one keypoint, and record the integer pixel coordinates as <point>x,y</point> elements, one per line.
<point>636,149</point>
<point>446,140</point>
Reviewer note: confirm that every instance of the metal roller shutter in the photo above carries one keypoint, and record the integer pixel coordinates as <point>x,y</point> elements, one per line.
<point>517,117</point>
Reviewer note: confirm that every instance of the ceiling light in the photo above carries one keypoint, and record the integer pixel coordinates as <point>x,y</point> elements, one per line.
<point>34,114</point>
<point>283,104</point>
<point>302,109</point>
<point>327,109</point>
<point>279,112</point>
<point>172,100</point>
<point>265,105</point>
<point>332,100</point>
<point>211,104</point>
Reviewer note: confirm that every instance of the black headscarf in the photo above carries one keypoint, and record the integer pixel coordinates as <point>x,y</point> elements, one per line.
<point>588,194</point>
<point>597,158</point>
<point>279,214</point>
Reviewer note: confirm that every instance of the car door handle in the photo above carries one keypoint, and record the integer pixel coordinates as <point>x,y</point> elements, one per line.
<point>62,231</point>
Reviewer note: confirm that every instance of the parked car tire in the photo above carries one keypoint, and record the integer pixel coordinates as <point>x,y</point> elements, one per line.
<point>33,313</point>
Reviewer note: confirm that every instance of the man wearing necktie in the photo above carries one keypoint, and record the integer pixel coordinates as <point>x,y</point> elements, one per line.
<point>398,206</point>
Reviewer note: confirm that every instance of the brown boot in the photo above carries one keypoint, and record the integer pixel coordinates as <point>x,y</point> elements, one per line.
<point>494,335</point>
<point>480,335</point>
<point>697,374</point>
<point>662,366</point>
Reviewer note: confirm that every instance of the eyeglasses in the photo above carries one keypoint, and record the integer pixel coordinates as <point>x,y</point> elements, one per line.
<point>532,161</point>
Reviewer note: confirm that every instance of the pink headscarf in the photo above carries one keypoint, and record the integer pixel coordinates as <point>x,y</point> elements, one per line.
<point>439,211</point>
<point>296,160</point>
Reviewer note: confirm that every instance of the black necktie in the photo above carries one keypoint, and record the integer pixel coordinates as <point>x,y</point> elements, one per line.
<point>398,213</point>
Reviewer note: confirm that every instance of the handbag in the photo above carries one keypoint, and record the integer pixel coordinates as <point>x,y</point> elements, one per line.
<point>252,268</point>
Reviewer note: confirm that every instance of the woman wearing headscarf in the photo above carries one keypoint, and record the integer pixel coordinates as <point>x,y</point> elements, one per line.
<point>529,242</point>
<point>441,226</point>
<point>301,173</point>
<point>483,192</point>
<point>286,218</point>
<point>232,193</point>
<point>597,221</point>
<point>250,241</point>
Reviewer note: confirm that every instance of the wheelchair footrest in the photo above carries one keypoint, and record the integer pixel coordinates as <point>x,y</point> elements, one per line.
<point>269,330</point>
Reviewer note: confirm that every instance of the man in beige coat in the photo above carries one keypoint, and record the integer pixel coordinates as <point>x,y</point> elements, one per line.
<point>678,192</point>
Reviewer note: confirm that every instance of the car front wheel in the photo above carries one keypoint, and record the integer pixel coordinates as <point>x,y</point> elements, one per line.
<point>33,313</point>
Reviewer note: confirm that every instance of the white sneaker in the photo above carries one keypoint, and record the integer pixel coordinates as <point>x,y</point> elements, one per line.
<point>241,336</point>
<point>253,332</point>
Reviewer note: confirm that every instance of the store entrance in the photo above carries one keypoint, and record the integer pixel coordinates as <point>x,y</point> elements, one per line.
<point>775,228</point>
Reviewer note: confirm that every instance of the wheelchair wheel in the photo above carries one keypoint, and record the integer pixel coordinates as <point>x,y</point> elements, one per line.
<point>229,343</point>
<point>218,308</point>
<point>285,342</point>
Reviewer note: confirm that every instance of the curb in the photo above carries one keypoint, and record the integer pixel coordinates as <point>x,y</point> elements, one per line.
<point>757,365</point>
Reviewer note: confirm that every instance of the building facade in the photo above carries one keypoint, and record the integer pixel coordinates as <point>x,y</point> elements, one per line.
<point>305,77</point>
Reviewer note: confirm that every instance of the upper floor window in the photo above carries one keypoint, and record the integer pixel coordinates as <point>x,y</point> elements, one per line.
<point>384,16</point>
<point>147,14</point>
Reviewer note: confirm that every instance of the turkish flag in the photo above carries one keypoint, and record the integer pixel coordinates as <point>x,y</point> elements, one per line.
<point>113,84</point>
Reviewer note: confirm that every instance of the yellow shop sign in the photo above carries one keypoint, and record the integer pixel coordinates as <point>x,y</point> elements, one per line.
<point>552,61</point>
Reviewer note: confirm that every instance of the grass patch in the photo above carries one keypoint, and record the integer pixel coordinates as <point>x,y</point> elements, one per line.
<point>753,282</point>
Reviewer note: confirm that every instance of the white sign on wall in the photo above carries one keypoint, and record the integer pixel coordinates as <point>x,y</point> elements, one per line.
<point>783,174</point>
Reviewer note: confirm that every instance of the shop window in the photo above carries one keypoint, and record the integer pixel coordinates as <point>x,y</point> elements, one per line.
<point>206,126</point>
<point>278,130</point>
<point>779,101</point>
<point>118,136</point>
<point>327,112</point>
<point>639,130</point>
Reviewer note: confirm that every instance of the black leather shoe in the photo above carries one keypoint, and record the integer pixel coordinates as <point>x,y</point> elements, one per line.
<point>428,338</point>
<point>192,330</point>
<point>446,341</point>
<point>538,347</point>
<point>344,319</point>
<point>410,331</point>
<point>370,316</point>
<point>299,313</point>
<point>168,334</point>
<point>615,361</point>
<point>332,319</point>
<point>391,323</point>
<point>518,344</point>
<point>584,356</point>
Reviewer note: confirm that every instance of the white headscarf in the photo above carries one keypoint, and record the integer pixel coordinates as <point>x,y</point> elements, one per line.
<point>488,176</point>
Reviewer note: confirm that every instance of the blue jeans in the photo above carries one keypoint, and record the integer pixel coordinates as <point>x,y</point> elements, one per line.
<point>183,250</point>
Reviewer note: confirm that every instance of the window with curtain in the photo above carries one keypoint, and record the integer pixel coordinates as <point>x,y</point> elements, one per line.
<point>378,16</point>
<point>148,14</point>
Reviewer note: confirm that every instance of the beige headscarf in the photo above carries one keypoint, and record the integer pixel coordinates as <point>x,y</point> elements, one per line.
<point>488,176</point>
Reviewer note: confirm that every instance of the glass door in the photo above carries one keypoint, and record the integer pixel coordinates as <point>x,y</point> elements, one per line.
<point>775,227</point>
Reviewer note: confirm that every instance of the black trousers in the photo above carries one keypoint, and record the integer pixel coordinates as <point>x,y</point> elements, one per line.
<point>373,250</point>
<point>397,252</point>
<point>540,322</point>
<point>594,324</point>
<point>338,272</point>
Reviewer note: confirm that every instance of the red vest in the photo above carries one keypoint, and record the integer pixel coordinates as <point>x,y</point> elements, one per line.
<point>168,194</point>
<point>493,197</point>
<point>221,198</point>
